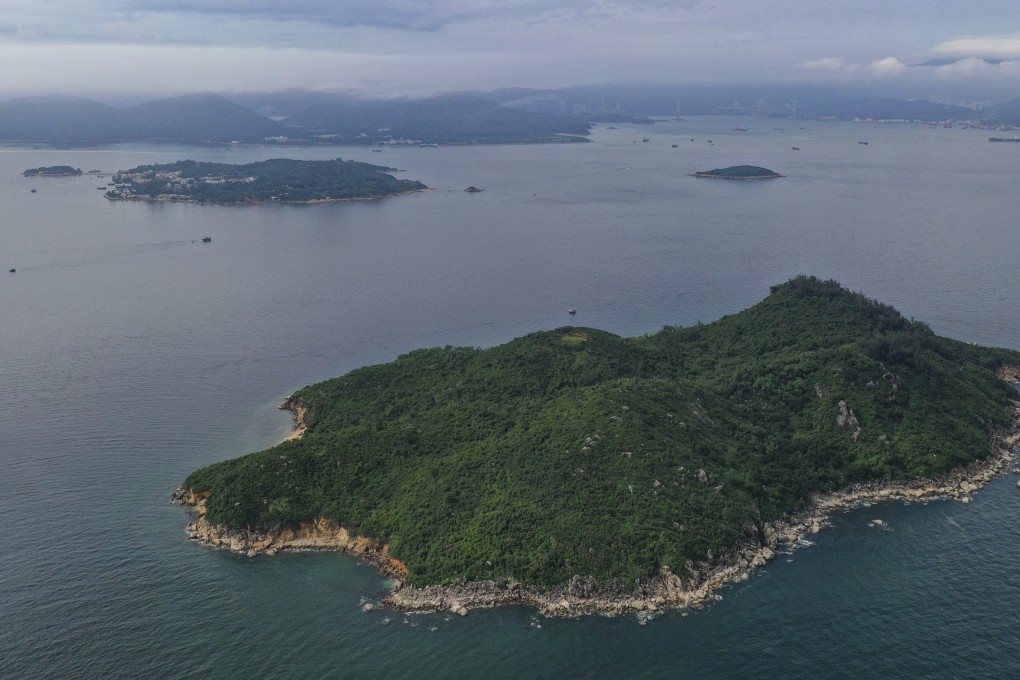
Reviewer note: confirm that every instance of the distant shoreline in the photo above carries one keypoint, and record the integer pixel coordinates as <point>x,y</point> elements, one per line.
<point>581,595</point>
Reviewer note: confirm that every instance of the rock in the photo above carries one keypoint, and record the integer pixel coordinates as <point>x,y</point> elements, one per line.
<point>846,420</point>
<point>876,523</point>
<point>473,190</point>
<point>815,527</point>
<point>367,607</point>
<point>461,611</point>
<point>965,500</point>
<point>1018,485</point>
<point>702,477</point>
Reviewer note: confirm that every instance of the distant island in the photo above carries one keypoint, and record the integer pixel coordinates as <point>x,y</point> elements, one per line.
<point>739,172</point>
<point>52,171</point>
<point>277,181</point>
<point>577,471</point>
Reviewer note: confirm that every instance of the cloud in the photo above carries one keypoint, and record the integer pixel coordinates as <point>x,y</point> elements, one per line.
<point>974,68</point>
<point>406,15</point>
<point>890,66</point>
<point>829,64</point>
<point>986,46</point>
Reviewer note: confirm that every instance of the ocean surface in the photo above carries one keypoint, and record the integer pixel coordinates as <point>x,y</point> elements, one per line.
<point>133,353</point>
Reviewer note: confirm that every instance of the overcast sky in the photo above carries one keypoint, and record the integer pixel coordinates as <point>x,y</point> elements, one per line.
<point>424,46</point>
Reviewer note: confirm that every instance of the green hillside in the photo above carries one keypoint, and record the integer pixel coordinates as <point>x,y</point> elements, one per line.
<point>575,451</point>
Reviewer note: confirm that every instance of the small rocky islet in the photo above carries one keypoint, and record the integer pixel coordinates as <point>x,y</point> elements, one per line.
<point>739,172</point>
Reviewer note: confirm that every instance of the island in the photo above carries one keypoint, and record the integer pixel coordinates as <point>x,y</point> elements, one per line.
<point>278,181</point>
<point>577,471</point>
<point>52,171</point>
<point>739,172</point>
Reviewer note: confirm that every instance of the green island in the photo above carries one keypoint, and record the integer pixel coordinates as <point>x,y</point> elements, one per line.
<point>278,180</point>
<point>577,471</point>
<point>52,171</point>
<point>739,172</point>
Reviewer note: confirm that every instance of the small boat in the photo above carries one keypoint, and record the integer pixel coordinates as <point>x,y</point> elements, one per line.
<point>206,239</point>
<point>569,311</point>
<point>376,150</point>
<point>796,148</point>
<point>740,129</point>
<point>674,146</point>
<point>33,191</point>
<point>12,270</point>
<point>644,139</point>
<point>864,143</point>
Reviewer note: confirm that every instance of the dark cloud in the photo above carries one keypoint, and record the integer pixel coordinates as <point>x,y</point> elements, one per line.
<point>405,15</point>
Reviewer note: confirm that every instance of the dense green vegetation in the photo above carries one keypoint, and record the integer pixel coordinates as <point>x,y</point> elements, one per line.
<point>575,451</point>
<point>52,171</point>
<point>740,172</point>
<point>280,179</point>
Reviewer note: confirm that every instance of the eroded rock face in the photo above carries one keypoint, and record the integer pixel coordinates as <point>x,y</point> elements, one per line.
<point>321,534</point>
<point>846,420</point>
<point>1010,374</point>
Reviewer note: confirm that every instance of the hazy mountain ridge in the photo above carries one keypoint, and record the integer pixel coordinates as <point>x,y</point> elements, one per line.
<point>516,115</point>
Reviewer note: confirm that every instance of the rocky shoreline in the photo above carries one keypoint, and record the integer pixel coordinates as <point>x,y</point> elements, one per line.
<point>694,587</point>
<point>299,410</point>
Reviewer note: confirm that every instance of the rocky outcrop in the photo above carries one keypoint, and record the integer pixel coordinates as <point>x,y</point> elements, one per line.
<point>1010,374</point>
<point>300,410</point>
<point>321,534</point>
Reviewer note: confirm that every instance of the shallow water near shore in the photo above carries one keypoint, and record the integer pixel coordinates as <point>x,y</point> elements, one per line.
<point>134,353</point>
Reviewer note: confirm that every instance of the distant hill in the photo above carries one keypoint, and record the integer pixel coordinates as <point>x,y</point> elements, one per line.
<point>1007,113</point>
<point>60,119</point>
<point>444,119</point>
<point>204,117</point>
<point>194,118</point>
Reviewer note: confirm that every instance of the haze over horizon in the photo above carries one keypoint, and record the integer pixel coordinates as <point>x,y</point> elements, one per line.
<point>400,47</point>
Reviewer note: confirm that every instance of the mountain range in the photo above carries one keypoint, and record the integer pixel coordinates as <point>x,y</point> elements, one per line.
<point>501,116</point>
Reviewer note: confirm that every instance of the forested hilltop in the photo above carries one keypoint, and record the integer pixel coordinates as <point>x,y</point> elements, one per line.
<point>279,180</point>
<point>577,452</point>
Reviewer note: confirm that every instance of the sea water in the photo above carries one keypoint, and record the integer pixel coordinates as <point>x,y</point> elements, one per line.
<point>134,353</point>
